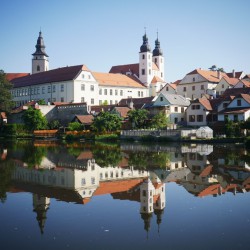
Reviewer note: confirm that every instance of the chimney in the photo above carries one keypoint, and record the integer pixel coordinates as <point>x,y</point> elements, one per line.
<point>218,74</point>
<point>233,73</point>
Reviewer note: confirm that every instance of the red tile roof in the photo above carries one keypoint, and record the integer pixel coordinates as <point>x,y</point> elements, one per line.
<point>123,69</point>
<point>156,79</point>
<point>245,83</point>
<point>231,81</point>
<point>109,187</point>
<point>21,108</point>
<point>85,119</point>
<point>11,76</point>
<point>55,75</point>
<point>206,171</point>
<point>209,75</point>
<point>117,80</point>
<point>123,111</point>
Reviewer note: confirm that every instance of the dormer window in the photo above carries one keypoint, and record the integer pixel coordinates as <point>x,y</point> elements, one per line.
<point>238,102</point>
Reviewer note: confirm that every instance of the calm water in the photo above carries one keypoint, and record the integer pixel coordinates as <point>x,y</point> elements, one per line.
<point>129,196</point>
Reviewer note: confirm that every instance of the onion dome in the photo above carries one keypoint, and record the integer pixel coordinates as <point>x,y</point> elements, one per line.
<point>145,46</point>
<point>40,47</point>
<point>157,51</point>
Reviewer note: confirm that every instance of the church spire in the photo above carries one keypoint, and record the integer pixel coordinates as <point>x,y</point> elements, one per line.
<point>40,47</point>
<point>157,51</point>
<point>145,46</point>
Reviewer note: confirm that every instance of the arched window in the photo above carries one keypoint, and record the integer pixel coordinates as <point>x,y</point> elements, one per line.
<point>38,68</point>
<point>143,56</point>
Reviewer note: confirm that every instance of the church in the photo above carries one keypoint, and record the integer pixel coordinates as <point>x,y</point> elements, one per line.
<point>78,84</point>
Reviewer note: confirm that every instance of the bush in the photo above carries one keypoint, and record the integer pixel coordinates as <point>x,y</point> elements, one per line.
<point>75,126</point>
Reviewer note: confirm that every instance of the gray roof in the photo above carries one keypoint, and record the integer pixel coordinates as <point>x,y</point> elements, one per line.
<point>176,99</point>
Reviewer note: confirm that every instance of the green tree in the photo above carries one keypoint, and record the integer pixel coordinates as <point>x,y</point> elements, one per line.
<point>75,126</point>
<point>105,102</point>
<point>34,120</point>
<point>106,122</point>
<point>55,124</point>
<point>41,102</point>
<point>159,121</point>
<point>138,117</point>
<point>6,102</point>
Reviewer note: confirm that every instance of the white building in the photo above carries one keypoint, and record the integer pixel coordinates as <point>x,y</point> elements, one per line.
<point>199,82</point>
<point>79,84</point>
<point>225,83</point>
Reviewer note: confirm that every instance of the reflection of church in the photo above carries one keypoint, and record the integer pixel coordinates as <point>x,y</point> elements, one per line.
<point>77,179</point>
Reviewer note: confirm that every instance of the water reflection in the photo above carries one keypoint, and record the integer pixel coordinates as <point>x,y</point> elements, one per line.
<point>134,172</point>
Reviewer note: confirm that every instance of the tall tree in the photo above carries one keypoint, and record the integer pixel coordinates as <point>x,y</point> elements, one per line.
<point>6,102</point>
<point>34,120</point>
<point>159,121</point>
<point>138,117</point>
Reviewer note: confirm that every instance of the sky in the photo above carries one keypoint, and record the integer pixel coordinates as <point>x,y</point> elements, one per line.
<point>103,33</point>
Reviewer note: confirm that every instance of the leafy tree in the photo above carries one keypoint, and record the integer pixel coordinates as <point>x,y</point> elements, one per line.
<point>159,121</point>
<point>75,126</point>
<point>105,102</point>
<point>138,117</point>
<point>6,102</point>
<point>41,102</point>
<point>55,124</point>
<point>213,68</point>
<point>106,121</point>
<point>34,120</point>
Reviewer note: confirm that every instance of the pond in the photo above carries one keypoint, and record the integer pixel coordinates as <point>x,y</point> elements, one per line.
<point>126,196</point>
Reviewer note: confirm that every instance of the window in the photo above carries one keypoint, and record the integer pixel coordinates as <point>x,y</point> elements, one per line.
<point>144,193</point>
<point>235,118</point>
<point>54,88</point>
<point>111,102</point>
<point>193,88</point>
<point>222,86</point>
<point>92,88</point>
<point>83,181</point>
<point>105,91</point>
<point>82,86</point>
<point>83,76</point>
<point>121,92</point>
<point>49,89</point>
<point>92,180</point>
<point>100,102</point>
<point>100,91</point>
<point>149,71</point>
<point>143,56</point>
<point>38,68</point>
<point>161,74</point>
<point>175,120</point>
<point>238,102</point>
<point>111,91</point>
<point>38,90</point>
<point>101,175</point>
<point>193,79</point>
<point>92,101</point>
<point>161,99</point>
<point>182,110</point>
<point>139,93</point>
<point>166,88</point>
<point>116,92</point>
<point>62,99</point>
<point>202,87</point>
<point>199,118</point>
<point>184,89</point>
<point>192,118</point>
<point>43,90</point>
<point>175,109</point>
<point>155,60</point>
<point>143,71</point>
<point>198,106</point>
<point>82,99</point>
<point>62,88</point>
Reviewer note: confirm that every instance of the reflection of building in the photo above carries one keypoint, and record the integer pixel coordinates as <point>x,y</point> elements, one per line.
<point>41,205</point>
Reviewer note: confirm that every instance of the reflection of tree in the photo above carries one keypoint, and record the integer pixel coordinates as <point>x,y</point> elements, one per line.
<point>33,156</point>
<point>107,155</point>
<point>6,169</point>
<point>149,159</point>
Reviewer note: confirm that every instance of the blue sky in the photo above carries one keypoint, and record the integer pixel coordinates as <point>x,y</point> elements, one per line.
<point>102,33</point>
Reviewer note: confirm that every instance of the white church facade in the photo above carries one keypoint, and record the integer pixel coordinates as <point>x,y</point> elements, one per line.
<point>77,84</point>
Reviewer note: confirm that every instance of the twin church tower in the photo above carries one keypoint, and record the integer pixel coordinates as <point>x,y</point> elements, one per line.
<point>150,69</point>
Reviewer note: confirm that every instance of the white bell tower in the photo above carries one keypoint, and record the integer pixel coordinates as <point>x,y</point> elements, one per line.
<point>145,62</point>
<point>40,60</point>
